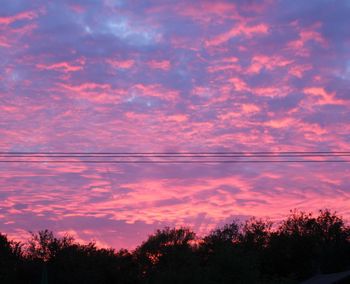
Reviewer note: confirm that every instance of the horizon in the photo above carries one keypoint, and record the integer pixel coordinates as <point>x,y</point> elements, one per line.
<point>170,77</point>
<point>276,225</point>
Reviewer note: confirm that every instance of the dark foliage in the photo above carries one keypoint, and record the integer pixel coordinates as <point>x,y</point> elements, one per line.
<point>10,260</point>
<point>253,252</point>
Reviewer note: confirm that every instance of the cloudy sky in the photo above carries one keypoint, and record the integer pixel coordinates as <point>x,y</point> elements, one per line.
<point>166,75</point>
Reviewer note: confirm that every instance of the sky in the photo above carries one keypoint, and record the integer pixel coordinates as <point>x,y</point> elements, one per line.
<point>160,76</point>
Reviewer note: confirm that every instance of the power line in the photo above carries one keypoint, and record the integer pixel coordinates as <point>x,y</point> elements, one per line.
<point>174,161</point>
<point>175,157</point>
<point>177,153</point>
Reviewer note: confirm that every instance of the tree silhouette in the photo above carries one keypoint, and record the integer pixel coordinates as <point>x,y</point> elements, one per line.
<point>255,251</point>
<point>333,240</point>
<point>225,260</point>
<point>65,261</point>
<point>304,245</point>
<point>168,257</point>
<point>44,245</point>
<point>10,260</point>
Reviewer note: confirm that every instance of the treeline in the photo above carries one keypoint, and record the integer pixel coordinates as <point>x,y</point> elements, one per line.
<point>255,251</point>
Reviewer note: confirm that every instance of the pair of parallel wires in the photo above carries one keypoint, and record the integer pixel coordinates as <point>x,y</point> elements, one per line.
<point>176,157</point>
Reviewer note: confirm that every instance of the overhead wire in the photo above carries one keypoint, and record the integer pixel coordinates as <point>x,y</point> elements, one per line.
<point>176,157</point>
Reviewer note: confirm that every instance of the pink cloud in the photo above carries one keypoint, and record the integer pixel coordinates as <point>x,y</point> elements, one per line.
<point>281,123</point>
<point>178,117</point>
<point>121,64</point>
<point>272,91</point>
<point>99,93</point>
<point>65,67</point>
<point>250,108</point>
<point>204,92</point>
<point>259,62</point>
<point>323,97</point>
<point>154,90</point>
<point>306,35</point>
<point>28,15</point>
<point>225,64</point>
<point>209,11</point>
<point>162,64</point>
<point>12,35</point>
<point>299,70</point>
<point>239,84</point>
<point>238,30</point>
